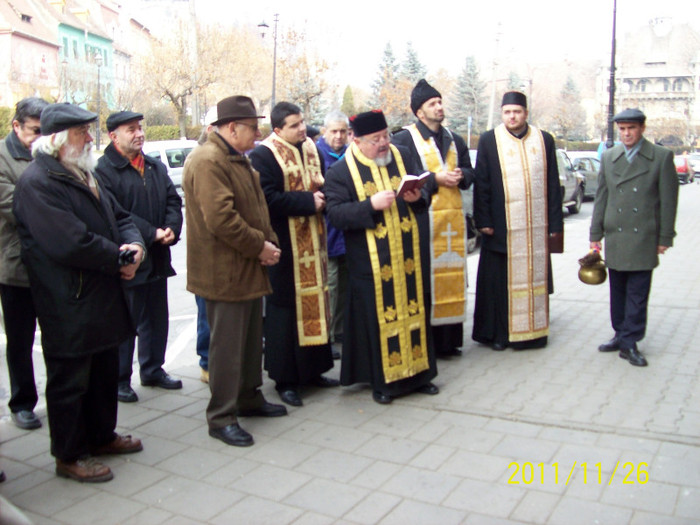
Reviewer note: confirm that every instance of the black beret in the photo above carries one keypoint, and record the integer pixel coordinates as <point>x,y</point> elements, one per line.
<point>630,115</point>
<point>514,97</point>
<point>59,117</point>
<point>422,92</point>
<point>368,122</point>
<point>122,117</point>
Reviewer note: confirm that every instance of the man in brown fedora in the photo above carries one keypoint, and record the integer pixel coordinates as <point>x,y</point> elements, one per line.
<point>230,242</point>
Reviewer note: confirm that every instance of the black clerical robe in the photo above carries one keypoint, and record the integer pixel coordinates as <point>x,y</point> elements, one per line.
<point>391,353</point>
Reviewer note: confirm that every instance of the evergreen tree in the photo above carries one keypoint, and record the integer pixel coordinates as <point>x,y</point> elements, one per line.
<point>515,83</point>
<point>348,105</point>
<point>391,92</point>
<point>570,117</point>
<point>386,78</point>
<point>412,69</point>
<point>468,100</point>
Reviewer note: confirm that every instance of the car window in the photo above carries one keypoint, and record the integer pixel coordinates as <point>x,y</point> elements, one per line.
<point>176,157</point>
<point>596,164</point>
<point>153,154</point>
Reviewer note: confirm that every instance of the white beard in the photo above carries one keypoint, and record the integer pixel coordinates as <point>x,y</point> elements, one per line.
<point>81,159</point>
<point>384,160</point>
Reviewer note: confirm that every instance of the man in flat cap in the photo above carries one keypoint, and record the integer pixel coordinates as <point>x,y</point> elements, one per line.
<point>517,206</point>
<point>635,210</point>
<point>297,314</point>
<point>445,155</point>
<point>78,245</point>
<point>385,339</point>
<point>18,311</point>
<point>230,244</point>
<point>141,185</point>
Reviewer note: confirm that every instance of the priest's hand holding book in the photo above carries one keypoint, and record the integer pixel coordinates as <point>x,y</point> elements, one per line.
<point>410,184</point>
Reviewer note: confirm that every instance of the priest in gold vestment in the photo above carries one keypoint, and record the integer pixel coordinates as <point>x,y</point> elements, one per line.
<point>517,206</point>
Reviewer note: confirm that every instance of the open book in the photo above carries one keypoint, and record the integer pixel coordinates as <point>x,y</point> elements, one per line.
<point>412,182</point>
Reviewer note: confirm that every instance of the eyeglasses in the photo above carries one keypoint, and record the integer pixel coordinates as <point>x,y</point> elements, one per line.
<point>36,130</point>
<point>254,127</point>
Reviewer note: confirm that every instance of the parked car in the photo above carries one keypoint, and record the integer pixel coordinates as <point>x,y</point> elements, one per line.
<point>572,182</point>
<point>694,161</point>
<point>172,153</point>
<point>588,166</point>
<point>683,169</point>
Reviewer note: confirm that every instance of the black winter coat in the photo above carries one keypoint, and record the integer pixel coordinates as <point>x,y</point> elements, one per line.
<point>153,203</point>
<point>70,245</point>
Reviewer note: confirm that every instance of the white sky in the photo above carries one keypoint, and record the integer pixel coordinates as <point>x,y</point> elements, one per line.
<point>352,35</point>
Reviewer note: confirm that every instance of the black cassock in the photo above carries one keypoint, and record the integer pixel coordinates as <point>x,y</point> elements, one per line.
<point>361,358</point>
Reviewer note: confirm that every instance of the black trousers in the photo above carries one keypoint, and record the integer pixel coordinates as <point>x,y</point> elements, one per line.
<point>81,400</point>
<point>629,297</point>
<point>148,307</point>
<point>20,326</point>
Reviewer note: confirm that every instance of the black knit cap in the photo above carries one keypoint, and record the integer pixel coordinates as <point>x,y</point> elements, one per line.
<point>368,122</point>
<point>630,115</point>
<point>60,117</point>
<point>422,92</point>
<point>121,117</point>
<point>514,97</point>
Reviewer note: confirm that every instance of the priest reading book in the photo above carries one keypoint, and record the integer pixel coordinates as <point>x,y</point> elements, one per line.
<point>412,182</point>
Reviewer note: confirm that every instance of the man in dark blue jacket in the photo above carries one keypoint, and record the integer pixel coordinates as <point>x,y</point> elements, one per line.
<point>72,233</point>
<point>141,185</point>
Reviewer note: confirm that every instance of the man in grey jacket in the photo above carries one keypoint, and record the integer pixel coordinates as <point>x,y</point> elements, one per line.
<point>17,305</point>
<point>635,210</point>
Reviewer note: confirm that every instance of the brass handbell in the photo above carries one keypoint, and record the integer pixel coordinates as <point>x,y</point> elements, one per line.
<point>592,270</point>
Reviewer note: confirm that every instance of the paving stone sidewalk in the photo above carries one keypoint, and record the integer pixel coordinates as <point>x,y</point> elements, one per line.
<point>563,435</point>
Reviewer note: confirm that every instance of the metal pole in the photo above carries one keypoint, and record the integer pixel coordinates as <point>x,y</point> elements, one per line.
<point>274,63</point>
<point>97,133</point>
<point>611,103</point>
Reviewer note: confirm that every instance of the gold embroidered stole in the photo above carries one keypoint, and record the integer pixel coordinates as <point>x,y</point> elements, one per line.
<point>394,251</point>
<point>524,168</point>
<point>308,240</point>
<point>448,237</point>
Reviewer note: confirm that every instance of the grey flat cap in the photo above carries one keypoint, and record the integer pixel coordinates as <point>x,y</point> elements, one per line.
<point>122,117</point>
<point>59,117</point>
<point>630,115</point>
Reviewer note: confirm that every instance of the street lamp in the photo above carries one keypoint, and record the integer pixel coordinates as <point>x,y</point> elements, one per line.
<point>98,61</point>
<point>611,103</point>
<point>263,28</point>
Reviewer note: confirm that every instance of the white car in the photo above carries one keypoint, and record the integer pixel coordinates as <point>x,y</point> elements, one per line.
<point>172,153</point>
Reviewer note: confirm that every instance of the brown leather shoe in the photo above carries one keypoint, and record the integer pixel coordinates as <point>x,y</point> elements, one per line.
<point>87,470</point>
<point>120,445</point>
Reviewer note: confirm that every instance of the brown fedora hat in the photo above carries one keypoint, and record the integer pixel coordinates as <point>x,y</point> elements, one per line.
<point>235,108</point>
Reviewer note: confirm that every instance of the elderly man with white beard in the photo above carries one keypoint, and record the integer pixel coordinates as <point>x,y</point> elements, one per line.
<point>78,244</point>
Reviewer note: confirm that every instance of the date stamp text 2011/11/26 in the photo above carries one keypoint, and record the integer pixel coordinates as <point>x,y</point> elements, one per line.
<point>627,473</point>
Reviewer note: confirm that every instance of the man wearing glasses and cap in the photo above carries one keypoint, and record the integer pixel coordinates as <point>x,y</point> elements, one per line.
<point>635,210</point>
<point>141,185</point>
<point>17,305</point>
<point>72,233</point>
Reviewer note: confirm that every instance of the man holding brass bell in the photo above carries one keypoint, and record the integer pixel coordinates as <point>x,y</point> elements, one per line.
<point>635,210</point>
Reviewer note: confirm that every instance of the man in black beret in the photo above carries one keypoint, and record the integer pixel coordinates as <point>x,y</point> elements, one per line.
<point>517,206</point>
<point>445,155</point>
<point>635,210</point>
<point>141,185</point>
<point>72,232</point>
<point>385,341</point>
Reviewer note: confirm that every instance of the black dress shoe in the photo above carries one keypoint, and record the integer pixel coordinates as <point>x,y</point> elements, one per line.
<point>324,382</point>
<point>429,389</point>
<point>291,397</point>
<point>266,410</point>
<point>126,394</point>
<point>382,399</point>
<point>164,381</point>
<point>499,347</point>
<point>449,352</point>
<point>232,435</point>
<point>611,346</point>
<point>26,420</point>
<point>634,356</point>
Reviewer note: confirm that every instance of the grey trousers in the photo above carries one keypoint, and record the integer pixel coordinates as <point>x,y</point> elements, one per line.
<point>235,359</point>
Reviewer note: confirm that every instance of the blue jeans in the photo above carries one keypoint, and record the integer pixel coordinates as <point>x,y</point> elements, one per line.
<point>202,333</point>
